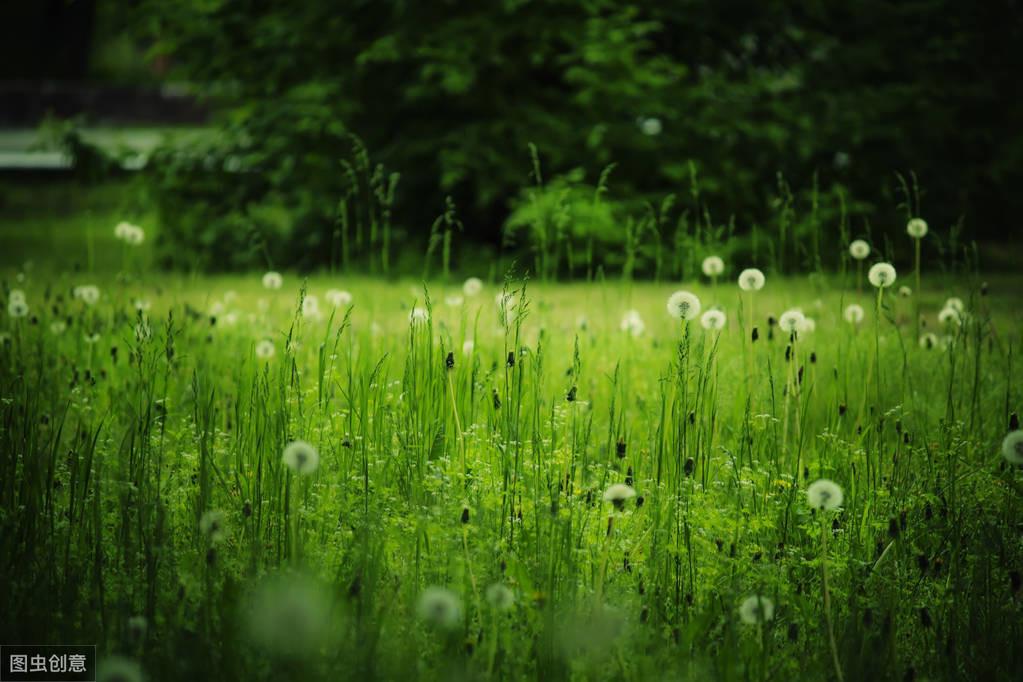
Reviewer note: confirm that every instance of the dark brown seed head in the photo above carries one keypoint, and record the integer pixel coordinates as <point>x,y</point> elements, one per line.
<point>465,515</point>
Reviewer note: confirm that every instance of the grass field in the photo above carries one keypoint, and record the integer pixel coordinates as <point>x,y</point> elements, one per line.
<point>213,479</point>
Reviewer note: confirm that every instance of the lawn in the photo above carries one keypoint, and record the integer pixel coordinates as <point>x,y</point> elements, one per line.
<point>215,478</point>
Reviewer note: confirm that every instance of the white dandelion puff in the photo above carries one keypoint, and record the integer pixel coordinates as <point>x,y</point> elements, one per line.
<point>859,249</point>
<point>929,341</point>
<point>17,308</point>
<point>651,126</point>
<point>713,320</point>
<point>419,315</point>
<point>824,494</point>
<point>58,327</point>
<point>756,609</point>
<point>301,457</point>
<point>440,607</point>
<point>16,295</point>
<point>265,349</point>
<point>955,303</point>
<point>273,280</point>
<point>472,286</point>
<point>632,322</point>
<point>500,597</point>
<point>468,346</point>
<point>311,307</point>
<point>338,298</point>
<point>905,292</point>
<point>949,316</point>
<point>453,300</point>
<point>212,525</point>
<point>916,228</point>
<point>791,320</point>
<point>807,326</point>
<point>684,305</point>
<point>1012,447</point>
<point>853,313</point>
<point>87,293</point>
<point>713,266</point>
<point>91,339</point>
<point>881,275</point>
<point>751,279</point>
<point>618,494</point>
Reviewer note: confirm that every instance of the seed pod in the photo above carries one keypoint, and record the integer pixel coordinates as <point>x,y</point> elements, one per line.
<point>755,334</point>
<point>511,359</point>
<point>571,395</point>
<point>620,448</point>
<point>689,467</point>
<point>465,515</point>
<point>449,361</point>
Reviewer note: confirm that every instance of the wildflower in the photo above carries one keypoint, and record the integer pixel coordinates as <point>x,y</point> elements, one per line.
<point>751,279</point>
<point>301,457</point>
<point>853,313</point>
<point>16,295</point>
<point>713,266</point>
<point>58,327</point>
<point>17,308</point>
<point>684,305</point>
<point>955,303</point>
<point>807,326</point>
<point>1012,447</point>
<point>905,292</point>
<point>713,320</point>
<point>928,341</point>
<point>949,316</point>
<point>129,234</point>
<point>212,525</point>
<point>453,301</point>
<point>118,669</point>
<point>651,126</point>
<point>468,346</point>
<point>881,275</point>
<point>472,286</point>
<point>87,293</point>
<point>618,494</point>
<point>142,305</point>
<point>273,280</point>
<point>440,607</point>
<point>632,323</point>
<point>265,349</point>
<point>859,249</point>
<point>311,307</point>
<point>916,228</point>
<point>92,339</point>
<point>338,298</point>
<point>500,597</point>
<point>756,609</point>
<point>419,315</point>
<point>824,494</point>
<point>791,320</point>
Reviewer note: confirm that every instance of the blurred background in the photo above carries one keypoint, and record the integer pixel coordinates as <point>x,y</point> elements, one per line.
<point>606,135</point>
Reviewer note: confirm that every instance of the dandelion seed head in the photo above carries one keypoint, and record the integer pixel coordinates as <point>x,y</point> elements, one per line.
<point>791,320</point>
<point>86,293</point>
<point>301,457</point>
<point>58,327</point>
<point>632,322</point>
<point>1012,447</point>
<point>16,295</point>
<point>500,597</point>
<point>619,493</point>
<point>824,494</point>
<point>273,280</point>
<point>713,319</point>
<point>807,326</point>
<point>853,313</point>
<point>338,298</point>
<point>419,315</point>
<point>651,126</point>
<point>265,349</point>
<point>751,279</point>
<point>468,346</point>
<point>859,249</point>
<point>916,228</point>
<point>949,316</point>
<point>756,609</point>
<point>454,300</point>
<point>713,266</point>
<point>472,286</point>
<point>440,607</point>
<point>955,303</point>
<point>212,525</point>
<point>17,308</point>
<point>684,305</point>
<point>881,275</point>
<point>905,292</point>
<point>929,341</point>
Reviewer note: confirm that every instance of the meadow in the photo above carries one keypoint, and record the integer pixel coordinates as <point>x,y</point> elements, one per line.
<point>272,476</point>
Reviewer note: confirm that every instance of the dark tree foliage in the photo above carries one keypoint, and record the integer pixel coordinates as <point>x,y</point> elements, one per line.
<point>449,95</point>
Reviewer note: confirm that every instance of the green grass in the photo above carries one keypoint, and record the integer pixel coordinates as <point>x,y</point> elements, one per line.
<point>487,473</point>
